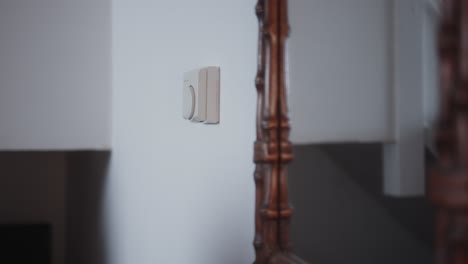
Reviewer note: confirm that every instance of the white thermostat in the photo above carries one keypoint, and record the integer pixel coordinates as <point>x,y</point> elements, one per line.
<point>201,95</point>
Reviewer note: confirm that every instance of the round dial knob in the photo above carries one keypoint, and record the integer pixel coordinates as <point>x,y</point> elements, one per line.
<point>189,102</point>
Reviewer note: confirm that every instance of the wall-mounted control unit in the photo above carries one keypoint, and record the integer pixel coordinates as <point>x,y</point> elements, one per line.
<point>201,95</point>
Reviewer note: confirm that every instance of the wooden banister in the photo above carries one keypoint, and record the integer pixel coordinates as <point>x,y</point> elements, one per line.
<point>448,180</point>
<point>272,150</point>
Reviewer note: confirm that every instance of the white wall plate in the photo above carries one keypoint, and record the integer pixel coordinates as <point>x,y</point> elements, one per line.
<point>201,95</point>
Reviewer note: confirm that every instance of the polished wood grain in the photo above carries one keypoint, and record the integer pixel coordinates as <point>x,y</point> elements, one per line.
<point>448,181</point>
<point>272,149</point>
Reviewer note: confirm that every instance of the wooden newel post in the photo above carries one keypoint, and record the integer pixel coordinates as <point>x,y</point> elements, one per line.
<point>448,181</point>
<point>273,150</point>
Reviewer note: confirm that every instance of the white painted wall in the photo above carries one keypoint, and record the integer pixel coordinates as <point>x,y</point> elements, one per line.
<point>404,158</point>
<point>55,74</point>
<point>340,71</point>
<point>365,71</point>
<point>179,192</point>
<point>430,70</point>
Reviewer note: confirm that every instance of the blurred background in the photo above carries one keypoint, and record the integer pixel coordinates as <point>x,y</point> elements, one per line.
<point>97,164</point>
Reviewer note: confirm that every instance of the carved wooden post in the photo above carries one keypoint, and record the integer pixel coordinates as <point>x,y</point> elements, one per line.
<point>448,181</point>
<point>273,149</point>
<point>260,159</point>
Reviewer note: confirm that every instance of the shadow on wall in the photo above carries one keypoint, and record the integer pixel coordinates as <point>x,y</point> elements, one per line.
<point>415,214</point>
<point>32,191</point>
<point>85,184</point>
<point>337,221</point>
